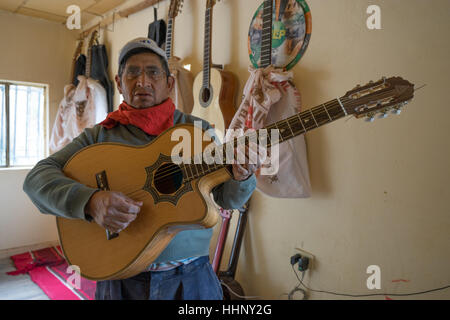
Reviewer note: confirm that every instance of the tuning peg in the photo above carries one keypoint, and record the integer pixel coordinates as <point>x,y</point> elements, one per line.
<point>383,115</point>
<point>370,117</point>
<point>397,110</point>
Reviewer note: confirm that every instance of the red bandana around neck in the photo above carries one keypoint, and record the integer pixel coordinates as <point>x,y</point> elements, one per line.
<point>153,120</point>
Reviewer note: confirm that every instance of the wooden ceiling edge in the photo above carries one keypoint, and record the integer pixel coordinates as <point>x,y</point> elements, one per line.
<point>37,10</point>
<point>20,6</point>
<point>121,14</point>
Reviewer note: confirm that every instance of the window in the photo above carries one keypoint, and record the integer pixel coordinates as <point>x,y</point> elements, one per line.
<point>22,118</point>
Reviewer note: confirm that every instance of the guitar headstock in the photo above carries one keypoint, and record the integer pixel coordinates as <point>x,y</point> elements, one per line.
<point>380,97</point>
<point>78,50</point>
<point>210,3</point>
<point>175,8</point>
<point>93,39</point>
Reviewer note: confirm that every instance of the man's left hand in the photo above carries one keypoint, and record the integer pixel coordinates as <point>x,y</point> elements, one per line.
<point>254,158</point>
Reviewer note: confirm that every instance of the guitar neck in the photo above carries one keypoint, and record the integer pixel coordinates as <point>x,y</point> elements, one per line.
<point>88,62</point>
<point>72,72</point>
<point>305,121</point>
<point>207,48</point>
<point>93,39</point>
<point>169,38</point>
<point>223,155</point>
<point>266,37</point>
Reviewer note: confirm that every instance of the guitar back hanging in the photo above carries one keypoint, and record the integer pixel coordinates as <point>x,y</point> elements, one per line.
<point>157,30</point>
<point>291,33</point>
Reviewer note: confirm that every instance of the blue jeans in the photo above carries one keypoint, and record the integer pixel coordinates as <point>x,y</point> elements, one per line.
<point>193,281</point>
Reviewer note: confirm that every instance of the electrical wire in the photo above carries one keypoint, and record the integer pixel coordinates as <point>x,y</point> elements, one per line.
<point>297,288</point>
<point>366,295</point>
<point>237,295</point>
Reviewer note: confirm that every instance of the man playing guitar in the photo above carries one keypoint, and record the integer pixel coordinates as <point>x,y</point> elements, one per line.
<point>182,270</point>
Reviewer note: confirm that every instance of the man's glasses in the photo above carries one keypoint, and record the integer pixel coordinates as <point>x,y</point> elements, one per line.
<point>153,73</point>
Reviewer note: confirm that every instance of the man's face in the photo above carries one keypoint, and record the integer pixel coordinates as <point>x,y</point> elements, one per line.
<point>144,83</point>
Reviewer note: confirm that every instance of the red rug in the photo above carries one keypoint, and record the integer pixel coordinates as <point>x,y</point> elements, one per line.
<point>48,269</point>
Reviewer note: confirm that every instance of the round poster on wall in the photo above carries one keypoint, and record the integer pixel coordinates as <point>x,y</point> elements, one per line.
<point>291,32</point>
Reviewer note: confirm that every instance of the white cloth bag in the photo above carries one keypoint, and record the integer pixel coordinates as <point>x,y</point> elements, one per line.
<point>270,96</point>
<point>89,99</point>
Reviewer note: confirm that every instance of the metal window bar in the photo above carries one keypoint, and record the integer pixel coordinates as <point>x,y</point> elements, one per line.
<point>28,121</point>
<point>7,123</point>
<point>13,149</point>
<point>3,125</point>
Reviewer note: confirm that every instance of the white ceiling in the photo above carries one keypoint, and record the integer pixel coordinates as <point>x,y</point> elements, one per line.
<point>55,10</point>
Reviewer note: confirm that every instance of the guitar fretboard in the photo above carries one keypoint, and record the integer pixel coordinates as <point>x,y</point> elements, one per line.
<point>207,48</point>
<point>169,38</point>
<point>307,120</point>
<point>266,37</point>
<point>88,62</point>
<point>203,164</point>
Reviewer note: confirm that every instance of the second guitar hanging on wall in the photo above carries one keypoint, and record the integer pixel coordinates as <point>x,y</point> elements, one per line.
<point>291,25</point>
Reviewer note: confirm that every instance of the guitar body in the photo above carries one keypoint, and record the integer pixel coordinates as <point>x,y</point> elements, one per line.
<point>215,103</point>
<point>165,212</point>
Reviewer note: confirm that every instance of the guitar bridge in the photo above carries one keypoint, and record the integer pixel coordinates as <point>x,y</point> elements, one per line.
<point>102,184</point>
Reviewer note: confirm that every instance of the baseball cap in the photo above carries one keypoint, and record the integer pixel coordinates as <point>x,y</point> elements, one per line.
<point>145,43</point>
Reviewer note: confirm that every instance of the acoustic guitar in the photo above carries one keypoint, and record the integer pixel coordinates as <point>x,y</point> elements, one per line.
<point>181,94</point>
<point>175,196</point>
<point>214,89</point>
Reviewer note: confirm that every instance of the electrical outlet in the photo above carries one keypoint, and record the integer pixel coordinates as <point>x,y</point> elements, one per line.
<point>309,255</point>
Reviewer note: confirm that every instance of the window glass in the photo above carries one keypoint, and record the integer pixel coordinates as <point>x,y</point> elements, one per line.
<point>26,124</point>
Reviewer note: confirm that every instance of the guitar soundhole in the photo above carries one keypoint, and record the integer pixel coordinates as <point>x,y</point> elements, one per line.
<point>168,178</point>
<point>206,95</point>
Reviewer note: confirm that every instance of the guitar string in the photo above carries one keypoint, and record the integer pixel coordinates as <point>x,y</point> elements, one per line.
<point>330,106</point>
<point>168,173</point>
<point>322,111</point>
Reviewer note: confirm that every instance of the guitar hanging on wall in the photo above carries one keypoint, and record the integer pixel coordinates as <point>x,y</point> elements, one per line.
<point>214,89</point>
<point>290,27</point>
<point>90,96</point>
<point>176,197</point>
<point>174,10</point>
<point>181,94</point>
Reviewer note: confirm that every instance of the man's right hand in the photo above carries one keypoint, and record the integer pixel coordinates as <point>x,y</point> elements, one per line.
<point>113,211</point>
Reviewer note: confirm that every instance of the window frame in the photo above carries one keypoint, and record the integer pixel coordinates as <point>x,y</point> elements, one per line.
<point>7,84</point>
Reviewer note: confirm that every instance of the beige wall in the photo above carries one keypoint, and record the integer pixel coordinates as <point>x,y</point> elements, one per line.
<point>38,51</point>
<point>380,190</point>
